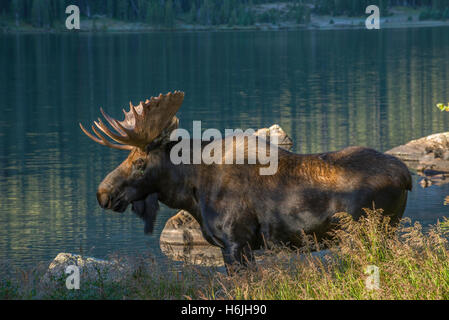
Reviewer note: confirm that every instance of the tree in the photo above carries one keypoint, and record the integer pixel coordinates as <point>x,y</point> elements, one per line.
<point>169,14</point>
<point>233,19</point>
<point>18,7</point>
<point>142,9</point>
<point>110,6</point>
<point>44,13</point>
<point>205,13</point>
<point>36,13</point>
<point>122,9</point>
<point>193,13</point>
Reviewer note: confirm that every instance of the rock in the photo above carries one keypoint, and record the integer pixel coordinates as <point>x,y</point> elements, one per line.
<point>182,240</point>
<point>90,268</point>
<point>182,229</point>
<point>433,179</point>
<point>425,183</point>
<point>204,255</point>
<point>284,141</point>
<point>428,153</point>
<point>446,155</point>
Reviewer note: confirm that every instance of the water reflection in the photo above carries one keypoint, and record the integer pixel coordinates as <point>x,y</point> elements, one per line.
<point>327,89</point>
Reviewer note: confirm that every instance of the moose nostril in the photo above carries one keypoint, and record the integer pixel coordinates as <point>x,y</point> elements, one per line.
<point>103,199</point>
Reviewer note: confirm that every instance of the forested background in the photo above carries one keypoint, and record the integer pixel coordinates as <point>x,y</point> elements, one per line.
<point>47,13</point>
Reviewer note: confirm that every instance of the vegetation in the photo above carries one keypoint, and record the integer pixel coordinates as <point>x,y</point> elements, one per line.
<point>48,13</point>
<point>357,7</point>
<point>413,265</point>
<point>442,107</point>
<point>166,13</point>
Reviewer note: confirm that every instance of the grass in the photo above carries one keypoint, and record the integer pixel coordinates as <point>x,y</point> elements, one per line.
<point>412,264</point>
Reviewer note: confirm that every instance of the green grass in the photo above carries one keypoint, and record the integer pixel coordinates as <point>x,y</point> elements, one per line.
<point>413,264</point>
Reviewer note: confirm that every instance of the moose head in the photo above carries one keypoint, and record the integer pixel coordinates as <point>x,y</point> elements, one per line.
<point>144,131</point>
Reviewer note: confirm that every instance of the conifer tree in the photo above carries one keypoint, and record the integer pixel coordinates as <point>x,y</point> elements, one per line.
<point>169,14</point>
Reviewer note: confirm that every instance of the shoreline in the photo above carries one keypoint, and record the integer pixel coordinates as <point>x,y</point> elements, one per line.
<point>400,19</point>
<point>227,29</point>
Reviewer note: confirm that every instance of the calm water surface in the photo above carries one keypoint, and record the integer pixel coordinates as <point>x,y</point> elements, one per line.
<point>327,89</point>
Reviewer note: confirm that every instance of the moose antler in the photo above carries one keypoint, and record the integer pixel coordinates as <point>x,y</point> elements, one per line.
<point>142,123</point>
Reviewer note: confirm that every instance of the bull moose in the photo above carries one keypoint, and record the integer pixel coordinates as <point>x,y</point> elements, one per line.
<point>237,208</point>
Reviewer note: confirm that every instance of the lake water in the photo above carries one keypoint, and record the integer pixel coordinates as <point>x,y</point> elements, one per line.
<point>327,89</point>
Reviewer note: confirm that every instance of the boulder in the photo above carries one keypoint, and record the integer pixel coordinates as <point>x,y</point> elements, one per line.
<point>429,153</point>
<point>429,156</point>
<point>182,240</point>
<point>283,140</point>
<point>89,267</point>
<point>182,230</point>
<point>204,255</point>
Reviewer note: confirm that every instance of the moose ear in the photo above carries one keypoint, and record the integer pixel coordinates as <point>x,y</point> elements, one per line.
<point>147,210</point>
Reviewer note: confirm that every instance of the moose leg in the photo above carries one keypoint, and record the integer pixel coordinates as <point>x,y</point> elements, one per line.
<point>233,238</point>
<point>236,256</point>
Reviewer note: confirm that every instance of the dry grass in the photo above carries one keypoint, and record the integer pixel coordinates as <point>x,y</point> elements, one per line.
<point>413,264</point>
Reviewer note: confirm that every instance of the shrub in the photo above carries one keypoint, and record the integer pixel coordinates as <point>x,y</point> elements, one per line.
<point>425,15</point>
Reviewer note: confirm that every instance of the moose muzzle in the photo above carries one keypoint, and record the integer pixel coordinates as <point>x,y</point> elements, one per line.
<point>104,200</point>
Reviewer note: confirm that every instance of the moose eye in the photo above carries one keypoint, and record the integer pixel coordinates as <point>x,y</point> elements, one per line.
<point>139,164</point>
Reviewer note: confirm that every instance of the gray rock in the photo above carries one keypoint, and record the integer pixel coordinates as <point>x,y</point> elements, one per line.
<point>428,153</point>
<point>284,141</point>
<point>182,240</point>
<point>90,268</point>
<point>204,255</point>
<point>182,230</point>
